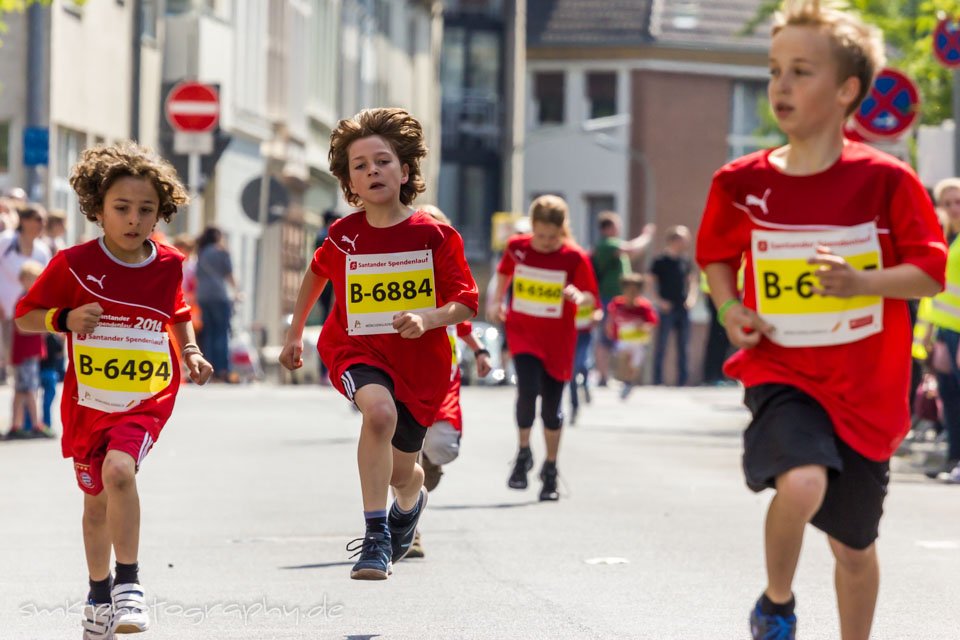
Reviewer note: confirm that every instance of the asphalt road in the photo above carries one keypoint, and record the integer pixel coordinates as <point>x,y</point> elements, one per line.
<point>252,492</point>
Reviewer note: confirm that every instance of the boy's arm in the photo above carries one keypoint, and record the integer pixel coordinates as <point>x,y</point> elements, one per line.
<point>81,320</point>
<point>200,369</point>
<point>693,291</point>
<point>744,327</point>
<point>839,279</point>
<point>414,325</point>
<point>310,289</point>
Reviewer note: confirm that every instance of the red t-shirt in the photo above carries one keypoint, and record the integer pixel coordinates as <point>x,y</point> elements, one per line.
<point>24,346</point>
<point>450,410</point>
<point>539,322</point>
<point>620,314</point>
<point>420,369</point>
<point>127,370</point>
<point>863,384</point>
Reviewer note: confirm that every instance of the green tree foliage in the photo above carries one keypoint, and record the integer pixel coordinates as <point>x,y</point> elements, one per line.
<point>908,29</point>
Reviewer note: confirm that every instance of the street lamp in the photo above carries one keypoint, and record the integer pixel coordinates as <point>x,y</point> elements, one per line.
<point>605,140</point>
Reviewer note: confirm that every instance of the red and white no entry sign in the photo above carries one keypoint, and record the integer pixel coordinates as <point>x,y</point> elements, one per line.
<point>193,107</point>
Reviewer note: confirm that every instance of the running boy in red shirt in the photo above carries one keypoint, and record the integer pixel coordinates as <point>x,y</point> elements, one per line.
<point>630,322</point>
<point>550,276</point>
<point>115,297</point>
<point>835,236</point>
<point>399,277</point>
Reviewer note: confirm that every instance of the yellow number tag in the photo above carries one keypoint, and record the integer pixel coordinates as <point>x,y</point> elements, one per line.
<point>633,334</point>
<point>538,292</point>
<point>786,286</point>
<point>391,292</point>
<point>122,370</point>
<point>381,285</point>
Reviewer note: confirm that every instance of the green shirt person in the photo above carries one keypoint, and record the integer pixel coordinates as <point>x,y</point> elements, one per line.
<point>612,255</point>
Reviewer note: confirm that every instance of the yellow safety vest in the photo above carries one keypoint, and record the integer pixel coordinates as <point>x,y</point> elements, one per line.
<point>922,329</point>
<point>945,306</point>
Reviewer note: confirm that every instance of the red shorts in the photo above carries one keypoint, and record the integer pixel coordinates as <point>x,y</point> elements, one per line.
<point>129,438</point>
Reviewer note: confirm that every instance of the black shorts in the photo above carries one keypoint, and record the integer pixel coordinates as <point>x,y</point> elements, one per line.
<point>790,429</point>
<point>409,434</point>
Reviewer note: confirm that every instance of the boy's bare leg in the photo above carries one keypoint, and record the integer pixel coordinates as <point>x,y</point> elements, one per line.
<point>96,535</point>
<point>374,452</point>
<point>857,577</point>
<point>123,505</point>
<point>800,492</point>
<point>30,408</point>
<point>17,420</point>
<point>407,479</point>
<point>524,435</point>
<point>602,356</point>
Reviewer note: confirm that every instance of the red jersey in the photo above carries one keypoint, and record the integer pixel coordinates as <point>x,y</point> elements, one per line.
<point>539,321</point>
<point>624,317</point>
<point>24,346</point>
<point>415,265</point>
<point>450,410</point>
<point>862,384</point>
<point>126,371</point>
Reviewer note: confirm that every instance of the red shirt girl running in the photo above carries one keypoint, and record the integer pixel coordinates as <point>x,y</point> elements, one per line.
<point>550,276</point>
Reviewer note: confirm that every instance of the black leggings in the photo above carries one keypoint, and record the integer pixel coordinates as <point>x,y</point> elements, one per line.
<point>532,381</point>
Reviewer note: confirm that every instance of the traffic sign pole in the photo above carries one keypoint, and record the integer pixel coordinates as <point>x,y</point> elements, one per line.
<point>193,110</point>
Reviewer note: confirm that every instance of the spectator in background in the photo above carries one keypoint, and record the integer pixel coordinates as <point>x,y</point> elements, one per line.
<point>16,248</point>
<point>215,283</point>
<point>26,351</point>
<point>611,261</point>
<point>55,231</point>
<point>8,215</point>
<point>674,294</point>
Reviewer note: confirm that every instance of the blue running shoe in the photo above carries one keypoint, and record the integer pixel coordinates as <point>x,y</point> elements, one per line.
<point>772,627</point>
<point>374,552</point>
<point>401,535</point>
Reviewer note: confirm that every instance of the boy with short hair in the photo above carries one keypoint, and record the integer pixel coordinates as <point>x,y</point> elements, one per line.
<point>836,236</point>
<point>674,294</point>
<point>26,351</point>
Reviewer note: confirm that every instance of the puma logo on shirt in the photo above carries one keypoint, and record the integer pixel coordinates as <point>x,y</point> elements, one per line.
<point>754,201</point>
<point>352,242</point>
<point>99,280</point>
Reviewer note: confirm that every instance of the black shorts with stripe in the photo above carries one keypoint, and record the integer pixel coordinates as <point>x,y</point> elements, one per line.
<point>409,434</point>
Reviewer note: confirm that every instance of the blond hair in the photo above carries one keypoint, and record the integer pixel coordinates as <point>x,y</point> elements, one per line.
<point>553,210</point>
<point>942,187</point>
<point>857,46</point>
<point>30,268</point>
<point>401,131</point>
<point>435,213</point>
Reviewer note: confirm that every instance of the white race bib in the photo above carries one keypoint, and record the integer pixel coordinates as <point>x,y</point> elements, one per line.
<point>117,368</point>
<point>785,280</point>
<point>538,292</point>
<point>381,285</point>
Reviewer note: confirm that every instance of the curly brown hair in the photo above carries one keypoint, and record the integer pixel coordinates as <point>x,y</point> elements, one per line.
<point>99,167</point>
<point>401,131</point>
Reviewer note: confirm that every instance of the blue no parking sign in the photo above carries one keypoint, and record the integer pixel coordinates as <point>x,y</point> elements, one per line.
<point>890,108</point>
<point>946,43</point>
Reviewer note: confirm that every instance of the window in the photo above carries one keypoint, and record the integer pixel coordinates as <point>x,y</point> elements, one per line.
<point>751,126</point>
<point>322,61</point>
<point>148,16</point>
<point>4,147</point>
<point>602,94</point>
<point>548,88</point>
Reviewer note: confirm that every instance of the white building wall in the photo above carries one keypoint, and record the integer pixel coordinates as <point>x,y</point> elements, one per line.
<point>13,95</point>
<point>569,161</point>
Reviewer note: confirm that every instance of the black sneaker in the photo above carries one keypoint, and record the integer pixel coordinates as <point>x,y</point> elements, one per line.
<point>374,552</point>
<point>521,466</point>
<point>548,475</point>
<point>401,535</point>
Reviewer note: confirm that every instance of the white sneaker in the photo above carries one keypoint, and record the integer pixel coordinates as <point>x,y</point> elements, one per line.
<point>950,477</point>
<point>130,613</point>
<point>97,621</point>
